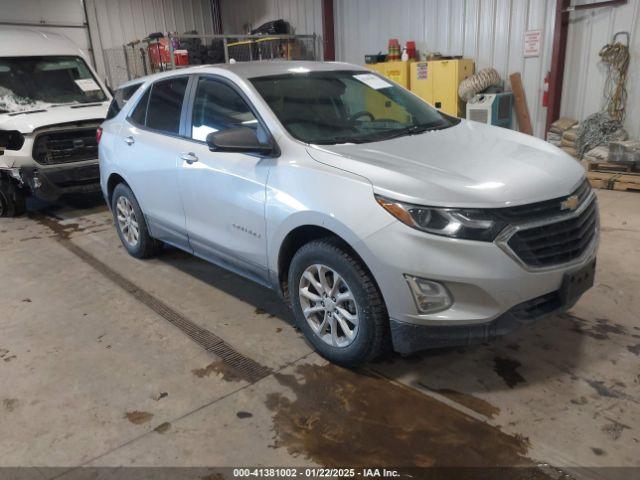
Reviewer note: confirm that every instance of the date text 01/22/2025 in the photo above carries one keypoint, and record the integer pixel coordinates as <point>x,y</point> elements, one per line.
<point>315,472</point>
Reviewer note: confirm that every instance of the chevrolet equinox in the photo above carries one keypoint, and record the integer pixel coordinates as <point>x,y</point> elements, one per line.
<point>381,220</point>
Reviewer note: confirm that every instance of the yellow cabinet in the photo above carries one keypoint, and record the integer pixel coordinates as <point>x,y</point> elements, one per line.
<point>397,71</point>
<point>437,83</point>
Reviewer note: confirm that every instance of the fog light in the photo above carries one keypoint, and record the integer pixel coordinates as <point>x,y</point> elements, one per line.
<point>430,296</point>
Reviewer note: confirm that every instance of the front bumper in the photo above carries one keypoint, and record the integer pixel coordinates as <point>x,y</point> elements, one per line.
<point>409,338</point>
<point>52,182</point>
<point>490,289</point>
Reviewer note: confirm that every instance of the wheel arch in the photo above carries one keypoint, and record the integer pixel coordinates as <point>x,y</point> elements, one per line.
<point>300,236</point>
<point>114,180</point>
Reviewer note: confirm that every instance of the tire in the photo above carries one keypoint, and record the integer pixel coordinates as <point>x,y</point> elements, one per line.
<point>141,245</point>
<point>12,199</point>
<point>371,335</point>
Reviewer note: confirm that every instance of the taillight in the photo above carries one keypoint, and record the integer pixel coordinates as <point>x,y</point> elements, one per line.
<point>98,134</point>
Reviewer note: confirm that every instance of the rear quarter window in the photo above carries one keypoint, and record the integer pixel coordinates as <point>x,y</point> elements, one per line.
<point>120,98</point>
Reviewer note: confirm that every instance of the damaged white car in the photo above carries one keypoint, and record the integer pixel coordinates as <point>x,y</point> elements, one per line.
<point>51,103</point>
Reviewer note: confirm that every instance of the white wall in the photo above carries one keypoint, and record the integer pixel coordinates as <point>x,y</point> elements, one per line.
<point>584,77</point>
<point>112,23</point>
<point>305,16</point>
<point>116,22</point>
<point>489,31</point>
<point>43,12</point>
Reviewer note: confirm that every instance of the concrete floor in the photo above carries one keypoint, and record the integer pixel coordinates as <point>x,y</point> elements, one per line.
<point>92,375</point>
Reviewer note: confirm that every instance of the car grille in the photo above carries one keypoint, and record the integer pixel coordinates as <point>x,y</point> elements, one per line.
<point>548,208</point>
<point>66,146</point>
<point>558,242</point>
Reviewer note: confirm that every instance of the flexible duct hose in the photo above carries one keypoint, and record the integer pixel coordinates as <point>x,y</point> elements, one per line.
<point>478,82</point>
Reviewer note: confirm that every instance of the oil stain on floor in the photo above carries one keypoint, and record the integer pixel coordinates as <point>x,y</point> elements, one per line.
<point>138,418</point>
<point>217,368</point>
<point>473,403</point>
<point>507,369</point>
<point>340,418</point>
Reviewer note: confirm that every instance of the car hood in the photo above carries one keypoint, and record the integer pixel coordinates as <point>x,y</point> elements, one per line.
<point>28,122</point>
<point>468,165</point>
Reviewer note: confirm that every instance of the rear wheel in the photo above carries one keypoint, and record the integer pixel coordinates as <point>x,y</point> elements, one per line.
<point>131,225</point>
<point>337,304</point>
<point>12,199</point>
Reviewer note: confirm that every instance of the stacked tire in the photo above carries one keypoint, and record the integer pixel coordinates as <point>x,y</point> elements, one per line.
<point>201,53</point>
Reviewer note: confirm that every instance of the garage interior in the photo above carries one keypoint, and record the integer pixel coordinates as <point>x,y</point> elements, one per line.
<point>190,371</point>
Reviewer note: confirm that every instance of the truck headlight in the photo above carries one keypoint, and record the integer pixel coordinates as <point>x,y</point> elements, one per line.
<point>467,223</point>
<point>11,139</point>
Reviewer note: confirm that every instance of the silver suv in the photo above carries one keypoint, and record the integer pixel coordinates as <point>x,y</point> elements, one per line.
<point>380,219</point>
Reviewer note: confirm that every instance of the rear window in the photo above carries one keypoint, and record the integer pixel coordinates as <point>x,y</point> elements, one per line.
<point>120,98</point>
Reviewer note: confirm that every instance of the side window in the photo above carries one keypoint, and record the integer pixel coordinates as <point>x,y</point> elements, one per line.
<point>140,112</point>
<point>165,105</point>
<point>121,97</point>
<point>217,107</point>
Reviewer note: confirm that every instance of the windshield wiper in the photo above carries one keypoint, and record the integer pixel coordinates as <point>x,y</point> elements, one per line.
<point>412,130</point>
<point>27,112</point>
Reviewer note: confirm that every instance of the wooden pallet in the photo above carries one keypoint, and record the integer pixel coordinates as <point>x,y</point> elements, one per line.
<point>614,180</point>
<point>610,167</point>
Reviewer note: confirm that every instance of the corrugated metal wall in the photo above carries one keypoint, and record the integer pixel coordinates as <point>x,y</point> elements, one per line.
<point>239,16</point>
<point>43,12</point>
<point>305,16</point>
<point>115,22</point>
<point>584,73</point>
<point>489,31</point>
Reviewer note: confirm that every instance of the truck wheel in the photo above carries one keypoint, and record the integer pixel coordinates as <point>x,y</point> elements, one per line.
<point>12,200</point>
<point>131,225</point>
<point>337,303</point>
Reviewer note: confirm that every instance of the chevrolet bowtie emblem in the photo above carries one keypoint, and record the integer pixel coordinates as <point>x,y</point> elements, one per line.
<point>570,203</point>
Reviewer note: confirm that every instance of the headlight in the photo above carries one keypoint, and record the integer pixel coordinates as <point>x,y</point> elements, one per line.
<point>470,224</point>
<point>11,139</point>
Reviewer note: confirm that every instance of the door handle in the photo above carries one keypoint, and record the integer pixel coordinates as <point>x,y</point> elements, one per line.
<point>189,157</point>
<point>129,140</point>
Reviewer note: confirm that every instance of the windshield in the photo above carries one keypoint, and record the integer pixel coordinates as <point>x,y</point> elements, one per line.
<point>35,83</point>
<point>346,107</point>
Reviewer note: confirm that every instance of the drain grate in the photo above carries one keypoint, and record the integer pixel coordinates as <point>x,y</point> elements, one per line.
<point>245,367</point>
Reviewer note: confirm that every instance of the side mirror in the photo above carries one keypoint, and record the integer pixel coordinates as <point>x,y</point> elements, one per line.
<point>238,139</point>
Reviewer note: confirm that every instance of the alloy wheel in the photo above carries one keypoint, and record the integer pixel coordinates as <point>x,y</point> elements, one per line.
<point>328,305</point>
<point>127,221</point>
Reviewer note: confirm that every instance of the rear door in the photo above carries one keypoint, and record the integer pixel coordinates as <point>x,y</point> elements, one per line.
<point>224,192</point>
<point>149,152</point>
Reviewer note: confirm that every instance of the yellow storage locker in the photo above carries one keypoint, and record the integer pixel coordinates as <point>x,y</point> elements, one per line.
<point>376,67</point>
<point>421,81</point>
<point>377,103</point>
<point>437,82</point>
<point>397,71</point>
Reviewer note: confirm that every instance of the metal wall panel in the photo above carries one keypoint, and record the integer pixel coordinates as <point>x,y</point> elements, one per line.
<point>489,31</point>
<point>113,23</point>
<point>240,16</point>
<point>121,21</point>
<point>585,75</point>
<point>66,15</point>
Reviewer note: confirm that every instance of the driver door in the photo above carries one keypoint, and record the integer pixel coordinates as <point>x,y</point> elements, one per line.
<point>223,193</point>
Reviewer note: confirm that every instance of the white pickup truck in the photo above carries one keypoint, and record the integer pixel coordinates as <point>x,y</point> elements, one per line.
<point>51,103</point>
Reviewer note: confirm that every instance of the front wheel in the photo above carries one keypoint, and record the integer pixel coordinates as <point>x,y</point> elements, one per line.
<point>131,225</point>
<point>12,200</point>
<point>337,304</point>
